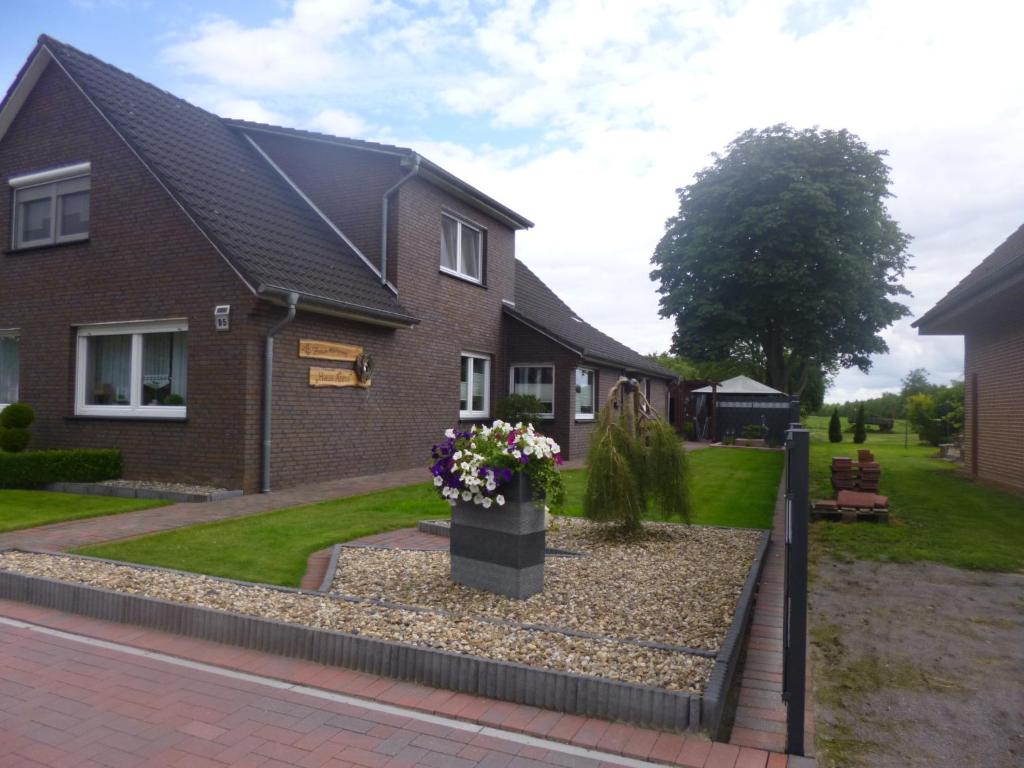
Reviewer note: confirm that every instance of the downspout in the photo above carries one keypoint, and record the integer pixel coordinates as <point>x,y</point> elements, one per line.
<point>384,218</point>
<point>268,383</point>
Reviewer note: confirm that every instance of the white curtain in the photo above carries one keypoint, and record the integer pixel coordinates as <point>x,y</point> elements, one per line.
<point>8,369</point>
<point>449,243</point>
<point>110,366</point>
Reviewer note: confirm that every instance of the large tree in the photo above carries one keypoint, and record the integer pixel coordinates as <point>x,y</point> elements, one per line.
<point>784,245</point>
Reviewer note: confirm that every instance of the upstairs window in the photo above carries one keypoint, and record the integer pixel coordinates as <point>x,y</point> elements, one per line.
<point>586,397</point>
<point>8,368</point>
<point>461,249</point>
<point>475,386</point>
<point>536,380</point>
<point>133,370</point>
<point>51,206</point>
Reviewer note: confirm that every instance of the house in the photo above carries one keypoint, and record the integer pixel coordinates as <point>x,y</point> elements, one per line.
<point>255,307</point>
<point>987,309</point>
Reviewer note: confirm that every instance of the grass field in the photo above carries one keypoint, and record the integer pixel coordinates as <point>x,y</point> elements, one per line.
<point>27,509</point>
<point>936,515</point>
<point>731,487</point>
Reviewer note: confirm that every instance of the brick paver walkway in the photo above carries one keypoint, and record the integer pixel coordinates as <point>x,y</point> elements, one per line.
<point>80,533</point>
<point>68,702</point>
<point>28,693</point>
<point>760,712</point>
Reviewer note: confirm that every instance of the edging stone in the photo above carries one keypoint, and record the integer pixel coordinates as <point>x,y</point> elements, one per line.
<point>128,492</point>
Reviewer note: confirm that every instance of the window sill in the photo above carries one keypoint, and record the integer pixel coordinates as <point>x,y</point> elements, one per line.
<point>462,277</point>
<point>45,246</point>
<point>112,417</point>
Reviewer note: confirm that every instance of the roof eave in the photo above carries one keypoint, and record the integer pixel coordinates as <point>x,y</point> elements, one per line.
<point>448,181</point>
<point>326,306</point>
<point>947,318</point>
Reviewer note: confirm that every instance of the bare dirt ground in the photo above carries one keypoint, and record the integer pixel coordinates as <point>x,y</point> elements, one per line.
<point>917,665</point>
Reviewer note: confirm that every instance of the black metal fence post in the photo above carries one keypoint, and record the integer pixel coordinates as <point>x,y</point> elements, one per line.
<point>794,667</point>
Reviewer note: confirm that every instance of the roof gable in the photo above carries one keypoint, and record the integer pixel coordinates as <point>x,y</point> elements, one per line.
<point>262,227</point>
<point>540,307</point>
<point>991,275</point>
<point>740,385</point>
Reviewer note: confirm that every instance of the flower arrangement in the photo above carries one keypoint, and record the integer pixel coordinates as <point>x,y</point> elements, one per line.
<point>473,466</point>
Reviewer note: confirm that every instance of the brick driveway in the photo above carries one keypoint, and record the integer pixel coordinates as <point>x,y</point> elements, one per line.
<point>68,701</point>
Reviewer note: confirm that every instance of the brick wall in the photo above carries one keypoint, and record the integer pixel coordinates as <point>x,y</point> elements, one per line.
<point>994,376</point>
<point>143,260</point>
<point>333,432</point>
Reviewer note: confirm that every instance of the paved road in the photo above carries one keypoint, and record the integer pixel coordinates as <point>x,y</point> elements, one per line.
<point>72,701</point>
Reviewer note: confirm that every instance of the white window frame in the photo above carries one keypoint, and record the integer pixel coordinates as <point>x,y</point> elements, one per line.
<point>134,409</point>
<point>47,185</point>
<point>575,403</point>
<point>512,383</point>
<point>13,333</point>
<point>470,413</point>
<point>459,270</point>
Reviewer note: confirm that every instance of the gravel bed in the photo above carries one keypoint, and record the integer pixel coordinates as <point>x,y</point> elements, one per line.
<point>154,485</point>
<point>677,585</point>
<point>459,634</point>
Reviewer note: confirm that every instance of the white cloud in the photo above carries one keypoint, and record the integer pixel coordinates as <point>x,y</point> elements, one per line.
<point>614,105</point>
<point>338,122</point>
<point>249,109</point>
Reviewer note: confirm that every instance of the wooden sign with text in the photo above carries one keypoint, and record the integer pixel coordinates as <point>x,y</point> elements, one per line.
<point>329,350</point>
<point>334,377</point>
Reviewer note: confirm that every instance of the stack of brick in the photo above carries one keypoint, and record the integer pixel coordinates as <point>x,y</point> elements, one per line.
<point>868,475</point>
<point>844,474</point>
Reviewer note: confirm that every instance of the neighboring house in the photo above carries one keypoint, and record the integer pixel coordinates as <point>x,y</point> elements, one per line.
<point>153,248</point>
<point>987,309</point>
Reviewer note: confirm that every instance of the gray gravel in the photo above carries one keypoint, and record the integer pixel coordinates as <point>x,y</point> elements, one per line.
<point>155,485</point>
<point>678,585</point>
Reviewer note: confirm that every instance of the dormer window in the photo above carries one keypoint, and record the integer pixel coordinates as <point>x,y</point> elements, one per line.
<point>461,249</point>
<point>51,206</point>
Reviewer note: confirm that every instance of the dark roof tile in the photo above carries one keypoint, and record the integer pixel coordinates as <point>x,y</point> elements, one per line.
<point>261,225</point>
<point>539,306</point>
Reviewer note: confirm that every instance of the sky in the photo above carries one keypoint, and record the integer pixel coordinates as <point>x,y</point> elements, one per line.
<point>587,116</point>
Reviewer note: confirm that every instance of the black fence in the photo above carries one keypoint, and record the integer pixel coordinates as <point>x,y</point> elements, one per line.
<point>794,660</point>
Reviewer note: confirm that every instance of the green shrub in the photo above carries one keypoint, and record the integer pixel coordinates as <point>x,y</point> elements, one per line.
<point>17,416</point>
<point>32,469</point>
<point>14,439</point>
<point>835,428</point>
<point>519,408</point>
<point>753,432</point>
<point>860,430</point>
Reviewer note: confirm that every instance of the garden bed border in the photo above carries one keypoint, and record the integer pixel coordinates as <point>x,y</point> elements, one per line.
<point>568,692</point>
<point>133,492</point>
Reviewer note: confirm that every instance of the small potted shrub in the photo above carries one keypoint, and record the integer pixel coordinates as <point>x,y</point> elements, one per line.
<point>497,479</point>
<point>15,420</point>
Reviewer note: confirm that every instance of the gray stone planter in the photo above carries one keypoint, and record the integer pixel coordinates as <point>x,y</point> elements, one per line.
<point>500,549</point>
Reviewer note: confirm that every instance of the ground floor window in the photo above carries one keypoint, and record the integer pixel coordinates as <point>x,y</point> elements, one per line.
<point>586,399</point>
<point>536,380</point>
<point>8,367</point>
<point>132,369</point>
<point>475,386</point>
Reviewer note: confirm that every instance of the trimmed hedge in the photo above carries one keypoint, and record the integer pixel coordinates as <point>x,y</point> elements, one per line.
<point>32,469</point>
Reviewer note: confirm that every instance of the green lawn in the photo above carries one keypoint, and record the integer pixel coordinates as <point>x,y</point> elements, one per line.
<point>935,514</point>
<point>27,509</point>
<point>730,487</point>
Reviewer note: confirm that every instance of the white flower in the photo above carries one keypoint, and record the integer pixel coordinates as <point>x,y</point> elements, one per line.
<point>438,481</point>
<point>478,499</point>
<point>500,499</point>
<point>452,502</point>
<point>449,433</point>
<point>516,454</point>
<point>491,485</point>
<point>467,496</point>
<point>457,455</point>
<point>486,503</point>
<point>528,450</point>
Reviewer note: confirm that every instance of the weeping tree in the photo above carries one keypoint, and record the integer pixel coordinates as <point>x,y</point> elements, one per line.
<point>636,462</point>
